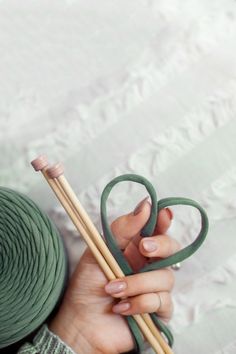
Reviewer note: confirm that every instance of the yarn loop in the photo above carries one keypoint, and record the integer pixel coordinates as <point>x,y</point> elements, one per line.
<point>147,231</point>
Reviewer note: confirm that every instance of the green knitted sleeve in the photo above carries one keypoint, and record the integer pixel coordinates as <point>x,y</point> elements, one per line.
<point>45,342</point>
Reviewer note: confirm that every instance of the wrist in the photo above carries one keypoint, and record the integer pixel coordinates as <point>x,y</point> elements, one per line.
<point>74,332</point>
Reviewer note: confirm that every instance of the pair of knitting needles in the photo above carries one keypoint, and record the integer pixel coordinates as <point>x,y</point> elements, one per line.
<point>57,181</point>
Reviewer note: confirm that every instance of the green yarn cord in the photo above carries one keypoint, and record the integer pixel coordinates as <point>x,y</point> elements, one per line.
<point>145,232</point>
<point>33,267</point>
<point>33,264</point>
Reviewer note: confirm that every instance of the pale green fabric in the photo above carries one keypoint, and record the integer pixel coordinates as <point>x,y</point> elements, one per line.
<point>46,342</point>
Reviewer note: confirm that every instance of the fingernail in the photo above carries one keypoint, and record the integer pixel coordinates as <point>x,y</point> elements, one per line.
<point>140,205</point>
<point>149,245</point>
<point>170,213</point>
<point>124,306</point>
<point>115,287</point>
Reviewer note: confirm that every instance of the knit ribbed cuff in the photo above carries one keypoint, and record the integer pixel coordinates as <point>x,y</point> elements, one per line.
<point>46,342</point>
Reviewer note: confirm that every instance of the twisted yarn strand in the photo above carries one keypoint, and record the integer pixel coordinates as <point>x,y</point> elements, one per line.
<point>32,266</point>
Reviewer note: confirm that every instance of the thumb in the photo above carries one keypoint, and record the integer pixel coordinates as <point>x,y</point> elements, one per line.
<point>125,227</point>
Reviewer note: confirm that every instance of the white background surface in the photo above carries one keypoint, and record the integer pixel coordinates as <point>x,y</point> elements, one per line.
<point>146,87</point>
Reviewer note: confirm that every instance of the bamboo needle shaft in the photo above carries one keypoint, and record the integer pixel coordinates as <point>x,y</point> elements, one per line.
<point>86,228</point>
<point>106,252</point>
<point>104,266</point>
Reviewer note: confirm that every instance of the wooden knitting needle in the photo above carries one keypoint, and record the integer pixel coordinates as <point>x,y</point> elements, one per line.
<point>56,172</point>
<point>41,164</point>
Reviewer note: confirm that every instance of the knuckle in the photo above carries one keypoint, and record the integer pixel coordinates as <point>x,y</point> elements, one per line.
<point>177,245</point>
<point>166,310</point>
<point>169,246</point>
<point>170,306</point>
<point>115,224</point>
<point>171,278</point>
<point>142,304</point>
<point>137,304</point>
<point>168,301</point>
<point>134,284</point>
<point>166,247</point>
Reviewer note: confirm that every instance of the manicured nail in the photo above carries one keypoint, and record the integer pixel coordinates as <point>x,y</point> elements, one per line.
<point>121,307</point>
<point>140,206</point>
<point>170,213</point>
<point>115,287</point>
<point>149,245</point>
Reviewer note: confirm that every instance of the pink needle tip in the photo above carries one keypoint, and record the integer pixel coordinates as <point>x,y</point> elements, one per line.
<point>39,163</point>
<point>55,171</point>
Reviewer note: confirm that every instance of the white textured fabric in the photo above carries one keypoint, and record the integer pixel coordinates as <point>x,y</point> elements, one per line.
<point>138,86</point>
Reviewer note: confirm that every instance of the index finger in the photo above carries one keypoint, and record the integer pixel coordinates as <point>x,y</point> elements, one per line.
<point>163,221</point>
<point>136,258</point>
<point>126,227</point>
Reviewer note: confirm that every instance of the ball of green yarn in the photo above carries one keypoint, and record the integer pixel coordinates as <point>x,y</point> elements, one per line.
<point>32,266</point>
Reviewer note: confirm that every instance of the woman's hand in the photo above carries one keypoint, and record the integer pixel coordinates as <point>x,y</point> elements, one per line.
<point>90,320</point>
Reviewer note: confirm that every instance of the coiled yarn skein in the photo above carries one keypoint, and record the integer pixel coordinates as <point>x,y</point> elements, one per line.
<point>33,266</point>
